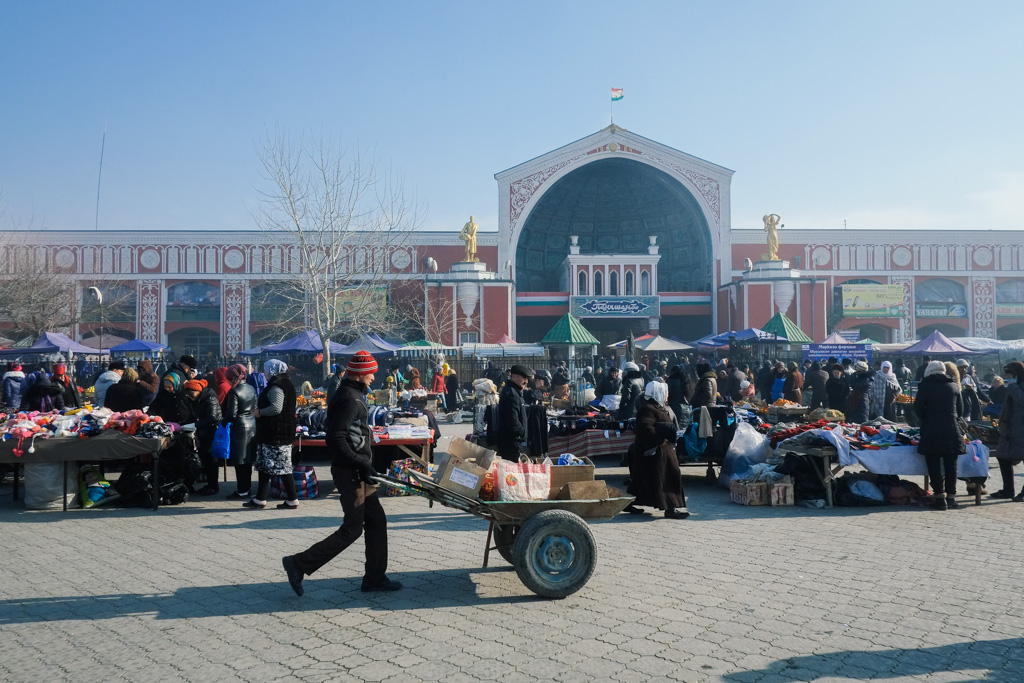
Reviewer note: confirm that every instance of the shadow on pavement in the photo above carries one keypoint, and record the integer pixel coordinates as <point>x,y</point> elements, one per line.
<point>423,590</point>
<point>989,656</point>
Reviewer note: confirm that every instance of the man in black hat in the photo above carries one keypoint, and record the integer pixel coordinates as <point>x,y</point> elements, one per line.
<point>511,430</point>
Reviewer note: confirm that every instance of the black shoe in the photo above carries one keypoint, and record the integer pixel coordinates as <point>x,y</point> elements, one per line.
<point>938,504</point>
<point>238,495</point>
<point>295,575</point>
<point>634,510</point>
<point>1001,494</point>
<point>207,491</point>
<point>677,513</point>
<point>253,504</point>
<point>951,503</point>
<point>286,506</point>
<point>385,585</point>
<point>1019,498</point>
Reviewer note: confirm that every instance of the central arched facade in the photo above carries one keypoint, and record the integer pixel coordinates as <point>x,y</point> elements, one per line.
<point>613,206</point>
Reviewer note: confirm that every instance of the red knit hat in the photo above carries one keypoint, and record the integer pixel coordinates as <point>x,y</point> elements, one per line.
<point>361,364</point>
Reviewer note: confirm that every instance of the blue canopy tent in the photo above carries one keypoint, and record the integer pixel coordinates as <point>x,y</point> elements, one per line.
<point>139,346</point>
<point>254,351</point>
<point>304,342</point>
<point>53,342</point>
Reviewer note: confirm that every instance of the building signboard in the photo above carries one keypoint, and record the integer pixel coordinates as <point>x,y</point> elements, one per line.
<point>615,306</point>
<point>873,301</point>
<point>1010,310</point>
<point>929,310</point>
<point>820,352</point>
<point>351,300</point>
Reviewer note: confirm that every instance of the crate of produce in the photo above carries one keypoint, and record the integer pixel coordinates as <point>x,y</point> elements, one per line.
<point>778,414</point>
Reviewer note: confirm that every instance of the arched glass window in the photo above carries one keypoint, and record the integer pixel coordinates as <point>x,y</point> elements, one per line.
<point>598,283</point>
<point>940,298</point>
<point>629,283</point>
<point>645,283</point>
<point>613,283</point>
<point>1011,292</point>
<point>581,280</point>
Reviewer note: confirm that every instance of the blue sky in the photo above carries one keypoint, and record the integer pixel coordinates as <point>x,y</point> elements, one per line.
<point>890,115</point>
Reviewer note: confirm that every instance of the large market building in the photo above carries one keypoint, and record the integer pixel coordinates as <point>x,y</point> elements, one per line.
<point>620,230</point>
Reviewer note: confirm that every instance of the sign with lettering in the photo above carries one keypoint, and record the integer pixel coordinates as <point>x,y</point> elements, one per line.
<point>615,306</point>
<point>929,310</point>
<point>873,301</point>
<point>1012,310</point>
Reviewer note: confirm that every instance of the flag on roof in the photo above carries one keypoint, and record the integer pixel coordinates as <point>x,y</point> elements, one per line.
<point>616,94</point>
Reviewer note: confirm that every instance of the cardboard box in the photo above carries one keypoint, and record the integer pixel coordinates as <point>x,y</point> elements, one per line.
<point>467,450</point>
<point>460,476</point>
<point>743,493</point>
<point>582,490</point>
<point>781,493</point>
<point>563,474</point>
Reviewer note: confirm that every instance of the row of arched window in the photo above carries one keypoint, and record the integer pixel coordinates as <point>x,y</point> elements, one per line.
<point>598,289</point>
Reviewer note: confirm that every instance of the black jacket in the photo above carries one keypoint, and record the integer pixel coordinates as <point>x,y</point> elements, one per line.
<point>678,400</point>
<point>511,421</point>
<point>859,400</point>
<point>237,411</point>
<point>332,386</point>
<point>814,382</point>
<point>609,386</point>
<point>125,396</point>
<point>837,391</point>
<point>938,405</point>
<point>40,389</point>
<point>349,438</point>
<point>277,430</point>
<point>707,390</point>
<point>631,392</point>
<point>207,411</point>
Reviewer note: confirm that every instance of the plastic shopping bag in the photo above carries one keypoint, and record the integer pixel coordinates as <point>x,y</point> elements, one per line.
<point>523,481</point>
<point>221,449</point>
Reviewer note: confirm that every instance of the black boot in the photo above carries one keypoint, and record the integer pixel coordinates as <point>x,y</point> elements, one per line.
<point>1019,498</point>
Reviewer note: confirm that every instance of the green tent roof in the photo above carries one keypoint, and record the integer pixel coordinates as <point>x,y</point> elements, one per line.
<point>784,327</point>
<point>569,332</point>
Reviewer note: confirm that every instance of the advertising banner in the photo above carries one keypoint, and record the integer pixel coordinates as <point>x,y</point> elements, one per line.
<point>940,310</point>
<point>1011,310</point>
<point>353,299</point>
<point>873,301</point>
<point>614,306</point>
<point>820,352</point>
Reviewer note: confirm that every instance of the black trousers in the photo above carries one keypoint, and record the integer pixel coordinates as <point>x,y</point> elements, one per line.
<point>1006,469</point>
<point>942,471</point>
<point>363,512</point>
<point>287,482</point>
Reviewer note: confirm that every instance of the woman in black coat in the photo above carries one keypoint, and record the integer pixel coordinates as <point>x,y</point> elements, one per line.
<point>858,403</point>
<point>237,412</point>
<point>632,390</point>
<point>680,391</point>
<point>837,390</point>
<point>1011,430</point>
<point>814,386</point>
<point>938,405</point>
<point>654,476</point>
<point>208,414</point>
<point>127,394</point>
<point>43,395</point>
<point>706,393</point>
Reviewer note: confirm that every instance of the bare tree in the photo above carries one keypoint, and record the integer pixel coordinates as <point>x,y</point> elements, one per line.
<point>343,215</point>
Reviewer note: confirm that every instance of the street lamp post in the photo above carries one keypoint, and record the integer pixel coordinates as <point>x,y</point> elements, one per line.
<point>429,266</point>
<point>98,295</point>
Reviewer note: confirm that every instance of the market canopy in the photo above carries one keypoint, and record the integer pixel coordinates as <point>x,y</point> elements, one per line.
<point>304,342</point>
<point>781,326</point>
<point>52,342</point>
<point>505,339</point>
<point>938,344</point>
<point>749,334</point>
<point>382,343</point>
<point>569,332</point>
<point>139,346</point>
<point>254,351</point>
<point>836,338</point>
<point>373,345</point>
<point>653,343</point>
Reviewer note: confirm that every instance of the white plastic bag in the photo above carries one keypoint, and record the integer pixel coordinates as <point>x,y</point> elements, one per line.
<point>44,485</point>
<point>523,481</point>
<point>747,448</point>
<point>866,489</point>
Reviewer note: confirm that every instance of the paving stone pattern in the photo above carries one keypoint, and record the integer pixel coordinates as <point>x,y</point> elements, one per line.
<point>761,595</point>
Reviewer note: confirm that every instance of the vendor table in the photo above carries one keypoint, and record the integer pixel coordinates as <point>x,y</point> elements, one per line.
<point>591,443</point>
<point>108,445</point>
<point>424,455</point>
<point>905,460</point>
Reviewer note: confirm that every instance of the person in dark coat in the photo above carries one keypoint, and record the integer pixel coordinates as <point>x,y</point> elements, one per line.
<point>706,393</point>
<point>610,384</point>
<point>814,386</point>
<point>765,378</point>
<point>43,395</point>
<point>680,391</point>
<point>631,392</point>
<point>334,381</point>
<point>451,387</point>
<point>275,434</point>
<point>734,376</point>
<point>793,387</point>
<point>1011,429</point>
<point>12,387</point>
<point>148,380</point>
<point>62,379</point>
<point>237,411</point>
<point>859,401</point>
<point>511,431</point>
<point>938,405</point>
<point>207,412</point>
<point>127,394</point>
<point>654,476</point>
<point>349,440</point>
<point>170,402</point>
<point>837,389</point>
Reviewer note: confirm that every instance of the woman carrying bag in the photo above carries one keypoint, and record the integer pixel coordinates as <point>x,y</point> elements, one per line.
<point>239,404</point>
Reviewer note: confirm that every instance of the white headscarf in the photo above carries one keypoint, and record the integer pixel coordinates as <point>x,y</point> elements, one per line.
<point>935,367</point>
<point>274,367</point>
<point>658,391</point>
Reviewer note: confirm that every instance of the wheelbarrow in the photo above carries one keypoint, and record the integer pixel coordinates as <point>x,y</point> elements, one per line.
<point>548,542</point>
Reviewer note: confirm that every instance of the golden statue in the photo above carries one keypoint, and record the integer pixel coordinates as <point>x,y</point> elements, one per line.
<point>468,235</point>
<point>771,226</point>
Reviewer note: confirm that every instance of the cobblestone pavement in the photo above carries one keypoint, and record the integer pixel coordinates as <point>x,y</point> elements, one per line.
<point>773,595</point>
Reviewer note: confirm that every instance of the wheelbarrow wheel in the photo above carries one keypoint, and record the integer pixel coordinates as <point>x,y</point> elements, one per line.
<point>554,553</point>
<point>504,539</point>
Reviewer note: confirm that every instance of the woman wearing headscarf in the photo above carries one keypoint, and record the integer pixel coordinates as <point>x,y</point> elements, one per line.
<point>654,476</point>
<point>631,392</point>
<point>938,405</point>
<point>238,412</point>
<point>793,386</point>
<point>207,413</point>
<point>858,403</point>
<point>42,395</point>
<point>127,394</point>
<point>275,433</point>
<point>221,384</point>
<point>148,380</point>
<point>62,379</point>
<point>837,389</point>
<point>1011,429</point>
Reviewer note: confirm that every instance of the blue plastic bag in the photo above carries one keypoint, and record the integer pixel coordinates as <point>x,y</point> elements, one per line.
<point>222,442</point>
